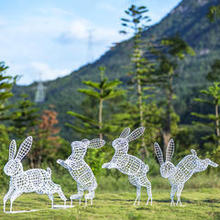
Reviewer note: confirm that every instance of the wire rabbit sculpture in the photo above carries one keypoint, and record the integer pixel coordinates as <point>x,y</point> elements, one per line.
<point>178,175</point>
<point>130,165</point>
<point>32,180</point>
<point>80,170</point>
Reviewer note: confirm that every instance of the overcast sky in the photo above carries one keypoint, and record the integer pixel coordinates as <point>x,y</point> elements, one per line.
<point>49,38</point>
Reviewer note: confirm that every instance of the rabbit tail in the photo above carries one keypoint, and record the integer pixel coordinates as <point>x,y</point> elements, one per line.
<point>49,171</point>
<point>146,168</point>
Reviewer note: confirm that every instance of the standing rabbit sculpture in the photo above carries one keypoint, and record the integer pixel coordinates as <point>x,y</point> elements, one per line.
<point>178,175</point>
<point>80,170</point>
<point>130,165</point>
<point>33,180</point>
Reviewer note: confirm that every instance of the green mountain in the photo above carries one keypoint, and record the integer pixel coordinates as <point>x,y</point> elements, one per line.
<point>189,20</point>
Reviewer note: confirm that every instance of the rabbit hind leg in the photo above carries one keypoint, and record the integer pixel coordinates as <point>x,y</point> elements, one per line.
<point>179,191</point>
<point>90,196</point>
<point>55,188</point>
<point>144,181</point>
<point>7,196</point>
<point>14,196</point>
<point>79,195</point>
<point>134,181</point>
<point>51,198</point>
<point>172,194</point>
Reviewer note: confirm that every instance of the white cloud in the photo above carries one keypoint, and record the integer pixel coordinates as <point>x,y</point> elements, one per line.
<point>45,72</point>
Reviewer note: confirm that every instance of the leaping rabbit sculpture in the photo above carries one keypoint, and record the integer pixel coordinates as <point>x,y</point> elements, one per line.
<point>130,165</point>
<point>178,175</point>
<point>33,180</point>
<point>80,170</point>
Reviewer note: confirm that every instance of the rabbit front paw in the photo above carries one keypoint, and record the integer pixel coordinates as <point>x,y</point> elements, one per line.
<point>59,161</point>
<point>106,165</point>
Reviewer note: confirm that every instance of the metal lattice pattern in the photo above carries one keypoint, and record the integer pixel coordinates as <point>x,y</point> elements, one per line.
<point>178,175</point>
<point>80,170</point>
<point>33,180</point>
<point>128,164</point>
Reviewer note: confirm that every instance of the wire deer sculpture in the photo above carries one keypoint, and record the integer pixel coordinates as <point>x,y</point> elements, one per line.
<point>130,165</point>
<point>32,180</point>
<point>178,175</point>
<point>80,170</point>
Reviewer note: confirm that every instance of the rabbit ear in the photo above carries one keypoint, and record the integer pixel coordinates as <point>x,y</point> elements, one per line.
<point>193,152</point>
<point>12,150</point>
<point>125,133</point>
<point>170,150</point>
<point>85,141</point>
<point>24,148</point>
<point>159,153</point>
<point>96,143</point>
<point>135,134</point>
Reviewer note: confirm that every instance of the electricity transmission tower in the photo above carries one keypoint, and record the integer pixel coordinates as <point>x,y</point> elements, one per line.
<point>40,92</point>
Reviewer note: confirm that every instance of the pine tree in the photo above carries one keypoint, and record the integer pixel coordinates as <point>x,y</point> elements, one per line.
<point>100,92</point>
<point>171,51</point>
<point>211,97</point>
<point>25,117</point>
<point>137,23</point>
<point>6,84</point>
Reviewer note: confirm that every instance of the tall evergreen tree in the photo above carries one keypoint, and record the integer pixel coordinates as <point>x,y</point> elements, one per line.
<point>171,51</point>
<point>211,96</point>
<point>137,22</point>
<point>25,117</point>
<point>6,84</point>
<point>100,91</point>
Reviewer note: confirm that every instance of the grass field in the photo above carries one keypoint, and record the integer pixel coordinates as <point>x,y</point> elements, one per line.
<point>198,203</point>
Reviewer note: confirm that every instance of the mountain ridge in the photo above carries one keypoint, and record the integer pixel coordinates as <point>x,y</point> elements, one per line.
<point>188,19</point>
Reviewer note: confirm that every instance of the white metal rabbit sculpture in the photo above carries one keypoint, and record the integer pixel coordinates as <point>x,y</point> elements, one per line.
<point>33,180</point>
<point>130,165</point>
<point>80,170</point>
<point>178,175</point>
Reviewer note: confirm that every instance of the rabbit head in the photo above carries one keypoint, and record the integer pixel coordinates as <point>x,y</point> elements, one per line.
<point>14,165</point>
<point>79,148</point>
<point>125,137</point>
<point>167,168</point>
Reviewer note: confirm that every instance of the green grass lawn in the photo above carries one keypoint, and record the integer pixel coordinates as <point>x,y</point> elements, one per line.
<point>197,204</point>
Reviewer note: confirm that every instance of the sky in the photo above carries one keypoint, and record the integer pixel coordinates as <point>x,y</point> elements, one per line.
<point>46,39</point>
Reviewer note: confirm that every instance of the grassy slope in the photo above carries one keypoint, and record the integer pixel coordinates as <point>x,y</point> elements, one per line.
<point>200,197</point>
<point>201,204</point>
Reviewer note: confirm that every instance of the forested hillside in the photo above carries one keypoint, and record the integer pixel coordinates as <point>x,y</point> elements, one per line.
<point>188,20</point>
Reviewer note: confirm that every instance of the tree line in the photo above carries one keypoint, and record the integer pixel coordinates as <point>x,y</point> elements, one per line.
<point>147,99</point>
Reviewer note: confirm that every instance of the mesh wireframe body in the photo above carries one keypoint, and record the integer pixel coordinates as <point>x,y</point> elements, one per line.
<point>33,180</point>
<point>80,170</point>
<point>178,175</point>
<point>130,165</point>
